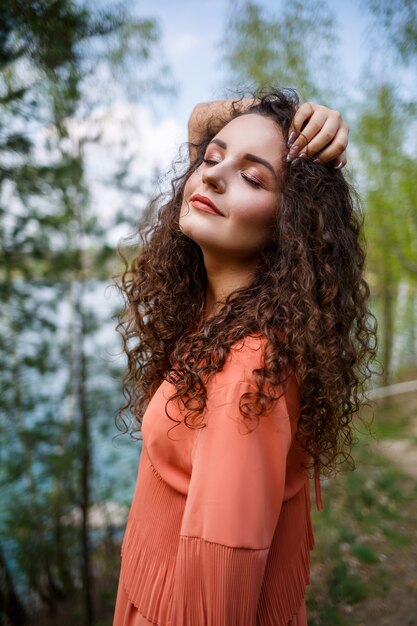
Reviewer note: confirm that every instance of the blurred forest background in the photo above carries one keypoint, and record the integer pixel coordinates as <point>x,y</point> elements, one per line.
<point>64,486</point>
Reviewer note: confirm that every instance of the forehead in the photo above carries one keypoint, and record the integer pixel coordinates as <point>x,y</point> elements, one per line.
<point>255,134</point>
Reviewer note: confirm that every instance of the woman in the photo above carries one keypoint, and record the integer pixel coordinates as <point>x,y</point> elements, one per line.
<point>247,335</point>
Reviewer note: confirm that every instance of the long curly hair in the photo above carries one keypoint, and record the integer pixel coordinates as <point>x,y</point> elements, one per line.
<point>308,299</point>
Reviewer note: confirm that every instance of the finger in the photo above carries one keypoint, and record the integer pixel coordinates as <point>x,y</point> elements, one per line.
<point>314,126</point>
<point>340,161</point>
<point>328,136</point>
<point>337,147</point>
<point>303,113</point>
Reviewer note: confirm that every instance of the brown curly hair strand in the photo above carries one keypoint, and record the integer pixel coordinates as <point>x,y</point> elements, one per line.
<point>308,299</point>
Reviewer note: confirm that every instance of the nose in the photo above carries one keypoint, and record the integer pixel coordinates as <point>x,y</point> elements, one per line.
<point>212,177</point>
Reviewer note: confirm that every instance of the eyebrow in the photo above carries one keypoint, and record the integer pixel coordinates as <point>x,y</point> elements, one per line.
<point>247,156</point>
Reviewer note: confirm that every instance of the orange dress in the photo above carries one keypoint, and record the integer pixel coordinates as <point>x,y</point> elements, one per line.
<point>219,532</point>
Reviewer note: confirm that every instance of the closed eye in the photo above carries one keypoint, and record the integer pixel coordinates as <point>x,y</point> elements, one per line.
<point>210,162</point>
<point>251,181</point>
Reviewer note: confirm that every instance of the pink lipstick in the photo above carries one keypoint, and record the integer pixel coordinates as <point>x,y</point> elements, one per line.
<point>204,204</point>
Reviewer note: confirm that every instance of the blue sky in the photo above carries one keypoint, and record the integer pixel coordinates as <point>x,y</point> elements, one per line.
<point>192,32</point>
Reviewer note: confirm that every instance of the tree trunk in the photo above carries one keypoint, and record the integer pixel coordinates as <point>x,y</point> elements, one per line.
<point>12,611</point>
<point>388,303</point>
<point>85,448</point>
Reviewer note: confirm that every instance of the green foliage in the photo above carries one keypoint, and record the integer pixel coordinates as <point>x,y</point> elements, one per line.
<point>396,539</point>
<point>386,170</point>
<point>364,553</point>
<point>294,48</point>
<point>399,19</point>
<point>58,392</point>
<point>365,529</point>
<point>345,586</point>
<point>378,134</point>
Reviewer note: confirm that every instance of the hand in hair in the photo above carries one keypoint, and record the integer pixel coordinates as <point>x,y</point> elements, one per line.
<point>316,130</point>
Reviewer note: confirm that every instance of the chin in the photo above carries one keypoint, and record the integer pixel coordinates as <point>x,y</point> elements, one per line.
<point>192,227</point>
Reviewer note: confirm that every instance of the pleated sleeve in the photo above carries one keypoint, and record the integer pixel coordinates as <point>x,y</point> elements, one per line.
<point>232,508</point>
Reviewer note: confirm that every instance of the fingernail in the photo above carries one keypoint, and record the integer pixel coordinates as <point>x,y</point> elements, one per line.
<point>294,161</point>
<point>299,158</point>
<point>337,164</point>
<point>317,161</point>
<point>293,136</point>
<point>293,153</point>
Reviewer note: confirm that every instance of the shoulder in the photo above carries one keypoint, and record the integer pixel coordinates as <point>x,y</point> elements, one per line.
<point>237,376</point>
<point>245,356</point>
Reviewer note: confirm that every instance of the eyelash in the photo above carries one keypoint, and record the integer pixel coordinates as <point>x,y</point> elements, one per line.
<point>249,180</point>
<point>252,181</point>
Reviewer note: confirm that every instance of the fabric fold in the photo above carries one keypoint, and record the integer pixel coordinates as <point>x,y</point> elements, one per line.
<point>317,487</point>
<point>216,584</point>
<point>219,531</point>
<point>288,567</point>
<point>150,544</point>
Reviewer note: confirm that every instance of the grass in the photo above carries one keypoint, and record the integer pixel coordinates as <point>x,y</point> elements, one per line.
<point>393,416</point>
<point>368,520</point>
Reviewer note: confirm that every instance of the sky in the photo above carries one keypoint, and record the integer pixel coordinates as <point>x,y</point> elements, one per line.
<point>192,32</point>
<point>191,35</point>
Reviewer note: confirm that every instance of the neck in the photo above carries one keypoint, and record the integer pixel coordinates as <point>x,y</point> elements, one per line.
<point>224,277</point>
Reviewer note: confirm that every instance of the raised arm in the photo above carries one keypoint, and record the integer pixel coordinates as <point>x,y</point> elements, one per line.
<point>316,130</point>
<point>213,115</point>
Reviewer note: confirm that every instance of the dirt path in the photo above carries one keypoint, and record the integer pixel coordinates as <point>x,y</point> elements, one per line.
<point>398,606</point>
<point>402,452</point>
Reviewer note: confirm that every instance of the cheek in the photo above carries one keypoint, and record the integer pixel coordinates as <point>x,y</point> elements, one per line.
<point>260,216</point>
<point>191,183</point>
<point>189,187</point>
<point>256,224</point>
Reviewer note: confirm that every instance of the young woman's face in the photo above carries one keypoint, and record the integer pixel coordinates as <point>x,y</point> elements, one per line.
<point>231,200</point>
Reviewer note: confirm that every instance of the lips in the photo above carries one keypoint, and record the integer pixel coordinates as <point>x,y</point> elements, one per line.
<point>204,204</point>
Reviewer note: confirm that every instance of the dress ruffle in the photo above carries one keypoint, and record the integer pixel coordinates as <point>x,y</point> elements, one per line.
<point>152,562</point>
<point>222,590</point>
<point>149,557</point>
<point>287,572</point>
